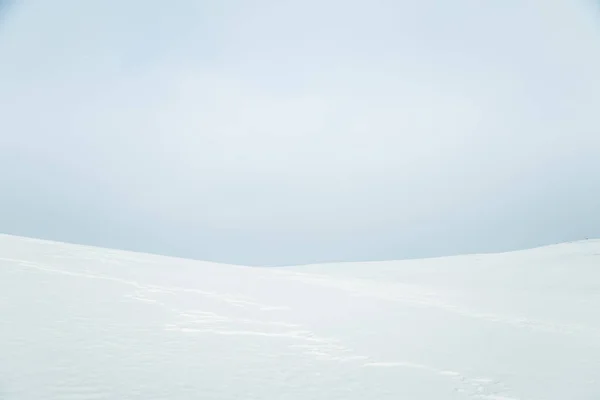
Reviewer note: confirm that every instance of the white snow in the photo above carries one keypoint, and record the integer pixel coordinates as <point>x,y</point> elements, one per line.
<point>83,323</point>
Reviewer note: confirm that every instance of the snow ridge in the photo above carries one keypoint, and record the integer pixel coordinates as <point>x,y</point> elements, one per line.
<point>86,323</point>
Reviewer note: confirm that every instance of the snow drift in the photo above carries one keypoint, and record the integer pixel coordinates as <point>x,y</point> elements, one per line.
<point>79,322</point>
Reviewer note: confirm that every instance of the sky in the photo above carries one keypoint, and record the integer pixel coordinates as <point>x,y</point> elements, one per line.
<point>290,132</point>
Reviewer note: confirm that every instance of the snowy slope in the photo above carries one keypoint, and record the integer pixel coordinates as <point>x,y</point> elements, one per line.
<point>87,323</point>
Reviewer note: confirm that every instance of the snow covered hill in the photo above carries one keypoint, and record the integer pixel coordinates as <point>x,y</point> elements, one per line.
<point>83,323</point>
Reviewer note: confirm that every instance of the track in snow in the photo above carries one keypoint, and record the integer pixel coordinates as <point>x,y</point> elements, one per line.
<point>85,323</point>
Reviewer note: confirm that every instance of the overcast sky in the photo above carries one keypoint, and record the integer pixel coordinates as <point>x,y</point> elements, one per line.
<point>282,132</point>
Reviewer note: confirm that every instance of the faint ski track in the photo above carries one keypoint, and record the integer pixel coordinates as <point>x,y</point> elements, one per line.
<point>230,299</point>
<point>481,388</point>
<point>408,294</point>
<point>325,349</point>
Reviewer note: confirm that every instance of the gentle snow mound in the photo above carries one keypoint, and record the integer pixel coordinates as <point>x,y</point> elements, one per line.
<point>80,322</point>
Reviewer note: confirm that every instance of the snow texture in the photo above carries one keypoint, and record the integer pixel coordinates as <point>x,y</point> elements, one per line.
<point>86,323</point>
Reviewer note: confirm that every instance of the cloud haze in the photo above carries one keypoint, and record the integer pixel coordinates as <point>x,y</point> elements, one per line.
<point>292,132</point>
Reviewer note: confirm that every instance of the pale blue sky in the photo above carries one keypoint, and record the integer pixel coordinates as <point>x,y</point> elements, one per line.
<point>280,132</point>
